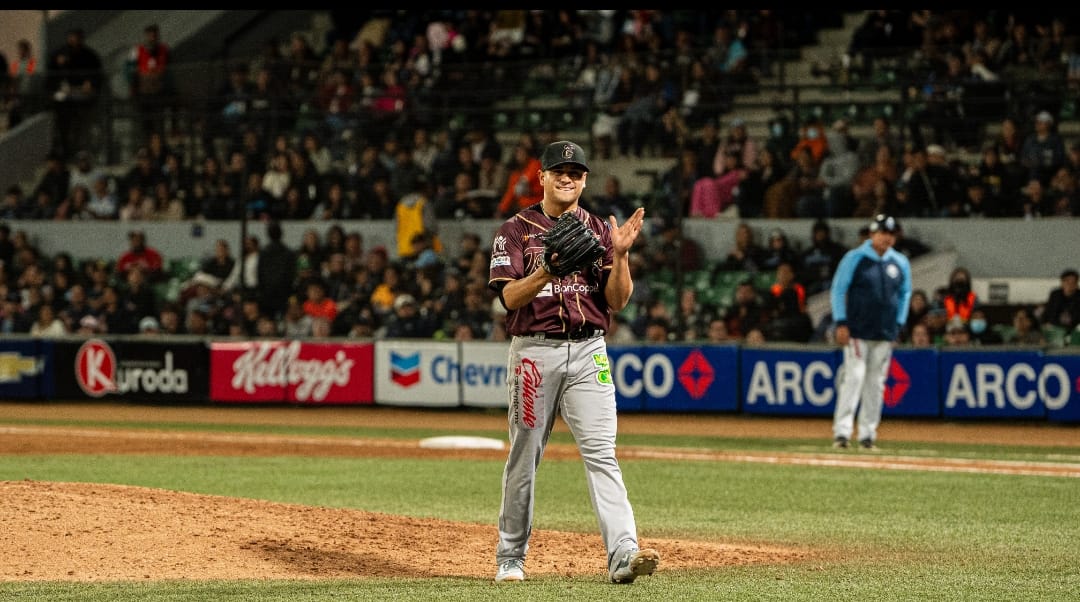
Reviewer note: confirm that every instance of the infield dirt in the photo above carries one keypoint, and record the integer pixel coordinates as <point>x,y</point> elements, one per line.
<point>97,532</point>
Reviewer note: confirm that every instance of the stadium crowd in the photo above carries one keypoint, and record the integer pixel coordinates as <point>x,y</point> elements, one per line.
<point>342,133</point>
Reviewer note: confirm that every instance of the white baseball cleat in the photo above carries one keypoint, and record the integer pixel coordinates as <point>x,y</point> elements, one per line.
<point>511,570</point>
<point>636,563</point>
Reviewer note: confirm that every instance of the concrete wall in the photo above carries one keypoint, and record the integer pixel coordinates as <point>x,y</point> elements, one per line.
<point>988,248</point>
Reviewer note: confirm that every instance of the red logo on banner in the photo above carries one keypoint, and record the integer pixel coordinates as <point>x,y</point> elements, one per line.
<point>897,384</point>
<point>696,374</point>
<point>95,368</point>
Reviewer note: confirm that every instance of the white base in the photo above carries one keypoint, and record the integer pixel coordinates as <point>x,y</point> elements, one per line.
<point>461,442</point>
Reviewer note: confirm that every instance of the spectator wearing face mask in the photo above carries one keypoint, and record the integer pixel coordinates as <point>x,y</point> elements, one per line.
<point>958,300</point>
<point>812,136</point>
<point>982,333</point>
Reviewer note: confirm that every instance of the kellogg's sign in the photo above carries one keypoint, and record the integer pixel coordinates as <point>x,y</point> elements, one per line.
<point>292,371</point>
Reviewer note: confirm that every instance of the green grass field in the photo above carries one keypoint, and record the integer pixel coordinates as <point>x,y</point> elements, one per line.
<point>881,534</point>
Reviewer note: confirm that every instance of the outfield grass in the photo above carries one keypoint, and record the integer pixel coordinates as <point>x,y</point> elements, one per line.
<point>890,535</point>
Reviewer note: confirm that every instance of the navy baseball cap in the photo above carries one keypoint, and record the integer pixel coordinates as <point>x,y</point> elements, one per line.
<point>884,223</point>
<point>563,151</point>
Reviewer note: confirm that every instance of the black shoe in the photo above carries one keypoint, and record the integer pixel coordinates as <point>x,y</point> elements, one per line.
<point>868,444</point>
<point>840,443</point>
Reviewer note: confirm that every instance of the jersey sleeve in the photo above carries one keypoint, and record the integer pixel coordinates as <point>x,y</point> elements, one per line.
<point>840,283</point>
<point>507,258</point>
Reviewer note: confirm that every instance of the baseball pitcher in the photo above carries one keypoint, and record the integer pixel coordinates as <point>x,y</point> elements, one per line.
<point>561,272</point>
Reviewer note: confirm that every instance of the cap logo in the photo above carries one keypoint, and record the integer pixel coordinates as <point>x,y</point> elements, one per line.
<point>568,151</point>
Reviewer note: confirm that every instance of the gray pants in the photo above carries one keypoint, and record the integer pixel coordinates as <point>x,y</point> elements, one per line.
<point>861,384</point>
<point>573,379</point>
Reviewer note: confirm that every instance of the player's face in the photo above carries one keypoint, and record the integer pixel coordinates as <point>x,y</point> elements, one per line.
<point>881,240</point>
<point>564,183</point>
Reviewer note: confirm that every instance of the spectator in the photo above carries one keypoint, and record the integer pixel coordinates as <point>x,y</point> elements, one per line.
<point>787,321</point>
<point>807,188</point>
<point>655,309</point>
<point>56,179</point>
<point>957,334</point>
<point>169,320</point>
<point>673,246</point>
<point>149,75</point>
<point>747,311</point>
<point>1026,329</point>
<point>785,281</point>
<point>414,213</point>
<point>760,177</point>
<point>925,187</point>
<point>114,315</point>
<point>737,142</point>
<point>982,332</point>
<point>75,207</point>
<point>638,127</point>
<point>103,203</point>
<point>691,316</point>
<point>1000,180</point>
<point>657,330</point>
<point>918,312</point>
<point>296,323</point>
<point>408,321</point>
<point>920,336</point>
<point>958,299</point>
<point>523,187</point>
<point>149,326</point>
<point>24,86</point>
<point>74,83</point>
<point>84,172</point>
<point>977,202</point>
<point>136,294</point>
<point>715,196</point>
<point>1062,307</point>
<point>1043,150</point>
<point>13,318</point>
<point>276,272</point>
<point>717,331</point>
<point>138,206</point>
<point>243,276</point>
<point>317,304</point>
<point>139,253</point>
<point>47,324</point>
<point>755,337</point>
<point>908,246</point>
<point>818,262</point>
<point>882,136</point>
<point>838,169</point>
<point>746,254</point>
<point>779,251</point>
<point>612,200</point>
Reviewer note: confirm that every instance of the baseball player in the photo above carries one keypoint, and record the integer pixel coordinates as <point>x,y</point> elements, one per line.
<point>870,295</point>
<point>558,364</point>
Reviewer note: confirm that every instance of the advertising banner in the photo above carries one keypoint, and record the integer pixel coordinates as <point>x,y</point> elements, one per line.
<point>482,372</point>
<point>158,370</point>
<point>789,381</point>
<point>1063,405</point>
<point>911,388</point>
<point>675,378</point>
<point>23,366</point>
<point>419,373</point>
<point>1000,384</point>
<point>292,372</point>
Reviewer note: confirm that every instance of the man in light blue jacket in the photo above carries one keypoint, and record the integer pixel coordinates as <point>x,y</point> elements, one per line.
<point>870,295</point>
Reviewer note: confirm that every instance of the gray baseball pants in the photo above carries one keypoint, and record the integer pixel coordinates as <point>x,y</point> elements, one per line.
<point>572,379</point>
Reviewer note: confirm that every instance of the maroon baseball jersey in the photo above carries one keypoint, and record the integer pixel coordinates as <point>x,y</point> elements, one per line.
<point>564,304</point>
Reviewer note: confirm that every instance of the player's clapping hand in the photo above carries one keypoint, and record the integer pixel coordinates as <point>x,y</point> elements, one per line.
<point>623,237</point>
